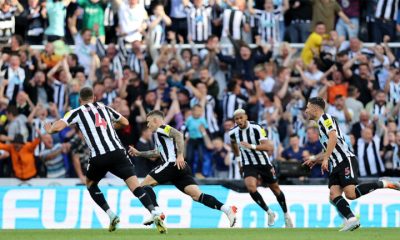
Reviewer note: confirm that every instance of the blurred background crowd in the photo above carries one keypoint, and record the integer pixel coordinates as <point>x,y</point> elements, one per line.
<point>198,61</point>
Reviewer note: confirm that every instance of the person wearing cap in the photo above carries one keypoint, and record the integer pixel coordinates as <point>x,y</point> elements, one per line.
<point>22,158</point>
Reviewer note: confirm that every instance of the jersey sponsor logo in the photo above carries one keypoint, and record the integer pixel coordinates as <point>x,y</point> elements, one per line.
<point>328,123</point>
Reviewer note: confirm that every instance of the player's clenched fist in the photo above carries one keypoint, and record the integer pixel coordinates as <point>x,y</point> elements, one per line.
<point>133,152</point>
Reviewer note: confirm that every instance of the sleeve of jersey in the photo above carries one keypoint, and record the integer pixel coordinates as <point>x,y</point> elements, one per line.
<point>167,130</point>
<point>115,116</point>
<point>263,134</point>
<point>232,137</point>
<point>329,124</point>
<point>70,117</point>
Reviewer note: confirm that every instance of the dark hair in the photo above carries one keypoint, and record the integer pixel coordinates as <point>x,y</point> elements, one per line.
<point>86,93</point>
<point>281,70</point>
<point>211,37</point>
<point>351,91</point>
<point>293,135</point>
<point>319,23</point>
<point>341,53</point>
<point>338,96</point>
<point>85,30</point>
<point>318,101</point>
<point>363,64</point>
<point>231,85</point>
<point>13,110</point>
<point>74,57</point>
<point>156,113</point>
<point>19,39</point>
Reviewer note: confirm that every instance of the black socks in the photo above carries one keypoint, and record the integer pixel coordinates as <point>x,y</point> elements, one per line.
<point>144,198</point>
<point>210,201</point>
<point>366,188</point>
<point>343,207</point>
<point>98,197</point>
<point>152,195</point>
<point>259,200</point>
<point>282,201</point>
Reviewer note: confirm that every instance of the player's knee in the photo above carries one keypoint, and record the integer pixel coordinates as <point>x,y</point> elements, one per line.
<point>350,195</point>
<point>195,197</point>
<point>252,188</point>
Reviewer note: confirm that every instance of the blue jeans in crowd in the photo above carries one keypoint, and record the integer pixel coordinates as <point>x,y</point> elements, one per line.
<point>299,31</point>
<point>344,29</point>
<point>199,157</point>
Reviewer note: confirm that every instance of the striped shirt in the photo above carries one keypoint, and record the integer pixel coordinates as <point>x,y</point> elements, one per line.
<point>157,34</point>
<point>7,24</point>
<point>115,63</point>
<point>109,97</point>
<point>55,166</point>
<point>231,102</point>
<point>37,124</point>
<point>95,121</point>
<point>59,95</point>
<point>387,9</point>
<point>268,25</point>
<point>199,22</point>
<point>232,23</point>
<point>252,134</point>
<point>165,144</point>
<point>394,93</point>
<point>369,159</point>
<point>208,113</point>
<point>342,151</point>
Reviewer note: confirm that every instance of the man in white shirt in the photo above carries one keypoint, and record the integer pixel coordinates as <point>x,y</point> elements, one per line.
<point>312,78</point>
<point>341,113</point>
<point>267,82</point>
<point>132,19</point>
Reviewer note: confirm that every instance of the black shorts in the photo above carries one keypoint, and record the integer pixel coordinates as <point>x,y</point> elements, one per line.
<point>117,162</point>
<point>170,173</point>
<point>265,172</point>
<point>346,173</point>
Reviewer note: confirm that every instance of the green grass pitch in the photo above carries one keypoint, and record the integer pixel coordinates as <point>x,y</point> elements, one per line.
<point>205,234</point>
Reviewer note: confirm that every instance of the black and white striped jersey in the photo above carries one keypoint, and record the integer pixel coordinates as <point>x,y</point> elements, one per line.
<point>387,9</point>
<point>252,134</point>
<point>199,22</point>
<point>95,121</point>
<point>157,34</point>
<point>209,113</point>
<point>230,103</point>
<point>394,93</point>
<point>342,151</point>
<point>232,23</point>
<point>268,25</point>
<point>59,95</point>
<point>165,144</point>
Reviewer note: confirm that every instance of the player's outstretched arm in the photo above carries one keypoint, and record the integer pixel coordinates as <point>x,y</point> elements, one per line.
<point>121,123</point>
<point>152,154</point>
<point>55,127</point>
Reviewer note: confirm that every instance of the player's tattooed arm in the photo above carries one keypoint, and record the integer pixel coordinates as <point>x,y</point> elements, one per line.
<point>180,142</point>
<point>149,154</point>
<point>152,154</point>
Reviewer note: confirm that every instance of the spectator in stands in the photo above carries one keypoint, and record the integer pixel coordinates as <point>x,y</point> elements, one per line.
<point>4,155</point>
<point>232,100</point>
<point>93,16</point>
<point>176,11</point>
<point>368,153</point>
<point>17,124</point>
<point>56,14</point>
<point>266,78</point>
<point>294,152</point>
<point>352,10</point>
<point>395,159</point>
<point>53,158</point>
<point>342,114</point>
<point>14,76</point>
<point>158,23</point>
<point>9,9</point>
<point>196,153</point>
<point>143,165</point>
<point>35,14</point>
<point>300,25</point>
<point>313,44</point>
<point>22,158</point>
<point>379,107</point>
<point>39,90</point>
<point>132,19</point>
<point>385,20</point>
<point>313,147</point>
<point>353,104</point>
<point>325,11</point>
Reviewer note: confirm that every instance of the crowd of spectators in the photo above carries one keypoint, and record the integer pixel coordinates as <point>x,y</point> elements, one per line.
<point>132,53</point>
